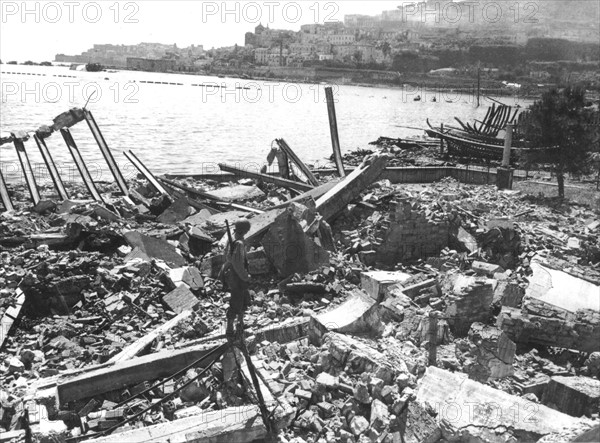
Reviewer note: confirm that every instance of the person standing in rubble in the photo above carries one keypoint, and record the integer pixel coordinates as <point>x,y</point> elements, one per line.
<point>235,276</point>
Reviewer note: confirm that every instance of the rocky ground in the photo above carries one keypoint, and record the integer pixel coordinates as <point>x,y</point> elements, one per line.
<point>356,334</point>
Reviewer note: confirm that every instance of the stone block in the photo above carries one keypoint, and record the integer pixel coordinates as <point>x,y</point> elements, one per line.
<point>376,283</point>
<point>359,313</point>
<point>575,396</point>
<point>181,299</point>
<point>485,269</point>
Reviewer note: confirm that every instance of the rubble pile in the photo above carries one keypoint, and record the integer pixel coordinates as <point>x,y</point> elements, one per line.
<point>376,309</point>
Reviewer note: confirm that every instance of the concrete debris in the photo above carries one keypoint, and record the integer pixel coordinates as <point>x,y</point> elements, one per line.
<point>289,249</point>
<point>575,396</point>
<point>468,410</point>
<point>379,312</point>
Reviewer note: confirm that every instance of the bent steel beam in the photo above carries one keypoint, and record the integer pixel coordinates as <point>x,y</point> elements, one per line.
<point>83,170</point>
<point>18,140</point>
<point>58,183</point>
<point>112,165</point>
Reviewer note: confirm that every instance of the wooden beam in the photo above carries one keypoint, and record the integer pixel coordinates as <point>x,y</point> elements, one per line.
<point>10,316</point>
<point>110,160</point>
<point>4,194</point>
<point>145,172</point>
<point>291,154</point>
<point>233,425</point>
<point>127,373</point>
<point>347,190</point>
<point>313,193</point>
<point>18,140</point>
<point>335,141</point>
<point>58,183</point>
<point>83,170</point>
<point>139,345</point>
<point>266,178</point>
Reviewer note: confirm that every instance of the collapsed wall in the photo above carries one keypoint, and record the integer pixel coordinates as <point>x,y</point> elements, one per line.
<point>558,310</point>
<point>414,232</point>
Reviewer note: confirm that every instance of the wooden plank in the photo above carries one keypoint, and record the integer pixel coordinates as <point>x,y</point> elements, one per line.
<point>58,183</point>
<point>10,316</point>
<point>139,345</point>
<point>83,170</point>
<point>4,194</point>
<point>145,172</point>
<point>110,160</point>
<point>291,154</point>
<point>336,199</point>
<point>130,372</point>
<point>335,141</point>
<point>266,178</point>
<point>18,140</point>
<point>232,425</point>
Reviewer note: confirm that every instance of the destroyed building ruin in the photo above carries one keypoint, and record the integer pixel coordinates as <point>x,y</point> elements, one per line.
<point>382,311</point>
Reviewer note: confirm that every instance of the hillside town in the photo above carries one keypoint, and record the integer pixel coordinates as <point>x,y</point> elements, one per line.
<point>441,38</point>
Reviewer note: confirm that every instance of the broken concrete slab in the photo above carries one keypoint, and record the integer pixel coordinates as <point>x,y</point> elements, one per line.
<point>181,299</point>
<point>235,425</point>
<point>139,345</point>
<point>105,378</point>
<point>155,248</point>
<point>178,211</point>
<point>197,219</point>
<point>494,356</point>
<point>358,357</point>
<point>335,200</point>
<point>189,275</point>
<point>260,223</point>
<point>551,327</point>
<point>562,290</point>
<point>216,223</point>
<point>237,193</point>
<point>359,313</point>
<point>575,396</point>
<point>289,249</point>
<point>376,283</point>
<point>470,411</point>
<point>485,269</point>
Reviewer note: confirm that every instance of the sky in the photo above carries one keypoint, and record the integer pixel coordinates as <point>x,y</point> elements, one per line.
<point>37,30</point>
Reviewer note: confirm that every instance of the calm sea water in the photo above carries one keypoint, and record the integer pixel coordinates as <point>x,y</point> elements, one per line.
<point>184,127</point>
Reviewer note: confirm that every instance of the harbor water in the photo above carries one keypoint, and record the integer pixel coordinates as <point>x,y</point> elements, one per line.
<point>178,123</point>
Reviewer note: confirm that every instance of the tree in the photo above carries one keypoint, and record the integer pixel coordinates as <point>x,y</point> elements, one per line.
<point>561,121</point>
